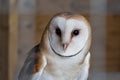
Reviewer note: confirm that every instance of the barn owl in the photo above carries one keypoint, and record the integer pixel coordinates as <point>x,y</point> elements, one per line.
<point>63,52</point>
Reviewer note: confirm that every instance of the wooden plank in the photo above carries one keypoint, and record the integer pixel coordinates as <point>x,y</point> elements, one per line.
<point>4,36</point>
<point>4,46</point>
<point>13,45</point>
<point>113,43</point>
<point>13,38</point>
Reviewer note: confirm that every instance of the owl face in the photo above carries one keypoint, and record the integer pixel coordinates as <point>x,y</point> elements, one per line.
<point>68,36</point>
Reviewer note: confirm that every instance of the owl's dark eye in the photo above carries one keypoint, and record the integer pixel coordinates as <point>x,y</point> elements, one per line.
<point>75,33</point>
<point>58,32</point>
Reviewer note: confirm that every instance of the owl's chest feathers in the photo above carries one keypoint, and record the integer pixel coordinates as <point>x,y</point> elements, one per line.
<point>63,69</point>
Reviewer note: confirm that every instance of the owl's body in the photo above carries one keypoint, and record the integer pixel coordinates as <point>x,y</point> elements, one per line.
<point>63,53</point>
<point>66,70</point>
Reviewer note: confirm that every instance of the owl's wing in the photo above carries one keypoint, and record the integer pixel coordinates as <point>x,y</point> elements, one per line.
<point>33,66</point>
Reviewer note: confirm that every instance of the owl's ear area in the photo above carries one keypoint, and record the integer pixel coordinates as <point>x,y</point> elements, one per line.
<point>33,66</point>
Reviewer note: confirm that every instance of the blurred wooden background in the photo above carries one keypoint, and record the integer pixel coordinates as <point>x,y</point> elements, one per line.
<point>4,38</point>
<point>22,28</point>
<point>113,43</point>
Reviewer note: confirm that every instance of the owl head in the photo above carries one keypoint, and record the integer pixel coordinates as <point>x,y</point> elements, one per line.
<point>68,34</point>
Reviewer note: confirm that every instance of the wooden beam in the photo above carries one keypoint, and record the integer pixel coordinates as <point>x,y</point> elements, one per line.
<point>4,29</point>
<point>13,47</point>
<point>13,38</point>
<point>113,43</point>
<point>4,36</point>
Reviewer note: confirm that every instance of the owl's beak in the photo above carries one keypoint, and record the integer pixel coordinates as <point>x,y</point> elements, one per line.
<point>65,46</point>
